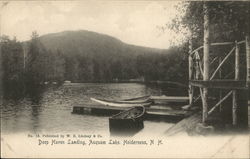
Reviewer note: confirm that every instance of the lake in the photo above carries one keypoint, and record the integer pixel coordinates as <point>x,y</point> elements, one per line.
<point>50,111</point>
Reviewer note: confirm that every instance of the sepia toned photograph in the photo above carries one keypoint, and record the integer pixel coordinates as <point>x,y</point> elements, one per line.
<point>124,79</point>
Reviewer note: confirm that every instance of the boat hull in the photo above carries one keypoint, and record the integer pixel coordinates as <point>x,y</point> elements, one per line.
<point>120,125</point>
<point>121,103</point>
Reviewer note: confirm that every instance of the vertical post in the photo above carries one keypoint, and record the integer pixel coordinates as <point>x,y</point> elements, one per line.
<point>206,61</point>
<point>248,60</point>
<point>248,76</point>
<point>190,69</point>
<point>197,69</point>
<point>1,62</point>
<point>248,47</point>
<point>237,77</point>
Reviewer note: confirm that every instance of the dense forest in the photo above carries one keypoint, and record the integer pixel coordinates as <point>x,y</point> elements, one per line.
<point>84,56</point>
<point>26,66</point>
<point>229,20</point>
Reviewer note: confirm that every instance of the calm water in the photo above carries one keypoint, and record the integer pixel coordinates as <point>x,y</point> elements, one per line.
<point>51,110</point>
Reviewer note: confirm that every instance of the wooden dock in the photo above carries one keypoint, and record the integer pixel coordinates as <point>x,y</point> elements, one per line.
<point>175,99</point>
<point>152,112</point>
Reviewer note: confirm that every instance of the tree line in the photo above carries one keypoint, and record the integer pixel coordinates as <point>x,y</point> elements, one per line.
<point>26,66</point>
<point>29,65</point>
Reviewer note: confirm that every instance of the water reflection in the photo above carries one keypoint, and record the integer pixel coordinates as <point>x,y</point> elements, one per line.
<point>168,89</point>
<point>49,109</point>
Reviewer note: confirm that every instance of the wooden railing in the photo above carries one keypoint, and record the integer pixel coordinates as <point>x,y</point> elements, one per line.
<point>196,67</point>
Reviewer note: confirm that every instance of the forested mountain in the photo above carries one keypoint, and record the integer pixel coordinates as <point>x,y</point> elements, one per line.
<point>83,56</point>
<point>91,57</point>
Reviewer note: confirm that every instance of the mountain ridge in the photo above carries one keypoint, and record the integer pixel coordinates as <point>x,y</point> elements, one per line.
<point>88,41</point>
<point>86,56</point>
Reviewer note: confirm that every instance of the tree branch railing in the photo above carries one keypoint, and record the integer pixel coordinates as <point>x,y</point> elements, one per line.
<point>213,60</point>
<point>199,62</point>
<point>229,74</point>
<point>196,99</point>
<point>218,44</point>
<point>222,62</point>
<point>241,42</point>
<point>222,100</point>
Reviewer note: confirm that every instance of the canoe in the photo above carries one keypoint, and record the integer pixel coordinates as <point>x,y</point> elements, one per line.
<point>128,121</point>
<point>121,103</point>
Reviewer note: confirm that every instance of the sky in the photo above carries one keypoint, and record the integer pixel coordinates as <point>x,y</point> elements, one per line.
<point>133,22</point>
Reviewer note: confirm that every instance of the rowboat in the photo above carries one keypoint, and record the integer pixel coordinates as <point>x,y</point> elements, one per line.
<point>121,103</point>
<point>128,121</point>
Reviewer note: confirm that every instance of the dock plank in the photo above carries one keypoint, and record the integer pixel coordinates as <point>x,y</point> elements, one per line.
<point>166,112</point>
<point>170,98</point>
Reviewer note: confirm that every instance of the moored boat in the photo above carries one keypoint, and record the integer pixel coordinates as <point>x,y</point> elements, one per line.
<point>122,103</point>
<point>127,122</point>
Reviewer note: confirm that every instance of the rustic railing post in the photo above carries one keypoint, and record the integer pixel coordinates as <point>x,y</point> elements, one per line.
<point>190,67</point>
<point>248,60</point>
<point>248,47</point>
<point>206,61</point>
<point>197,68</point>
<point>237,77</point>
